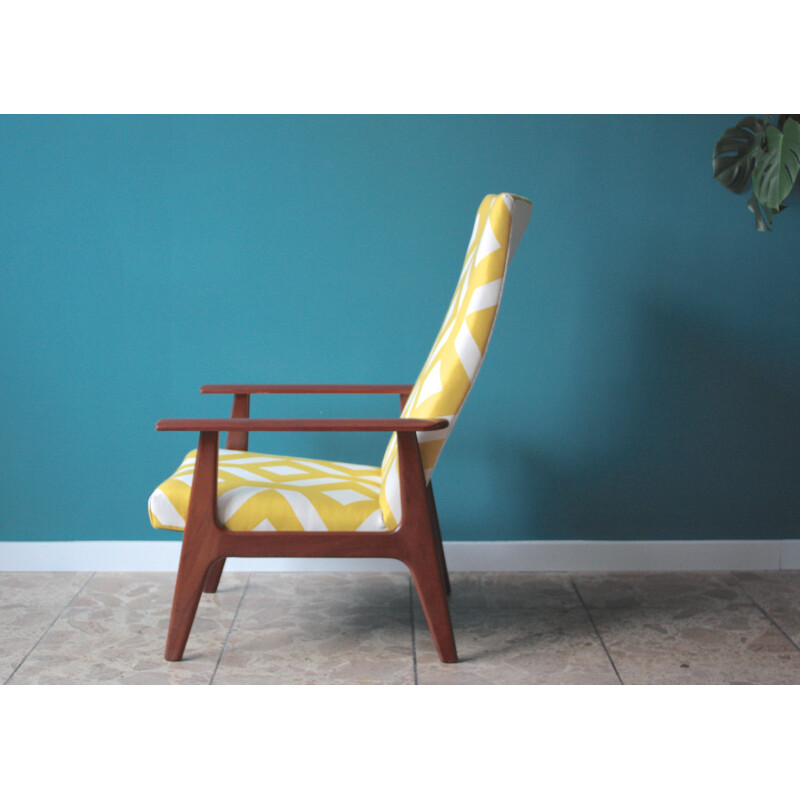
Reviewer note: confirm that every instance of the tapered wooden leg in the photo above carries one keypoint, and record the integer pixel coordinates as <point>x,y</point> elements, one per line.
<point>192,575</point>
<point>200,548</point>
<point>214,574</point>
<point>421,550</point>
<point>430,579</point>
<point>432,594</point>
<point>437,533</point>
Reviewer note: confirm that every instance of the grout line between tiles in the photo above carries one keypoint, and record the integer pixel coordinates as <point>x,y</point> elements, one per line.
<point>765,613</point>
<point>230,630</point>
<point>413,629</point>
<point>57,618</point>
<point>596,629</point>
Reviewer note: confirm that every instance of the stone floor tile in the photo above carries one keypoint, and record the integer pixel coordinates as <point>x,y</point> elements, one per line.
<point>511,590</point>
<point>659,590</point>
<point>356,628</point>
<point>20,629</point>
<point>105,643</point>
<point>778,593</point>
<point>152,590</point>
<point>309,643</point>
<point>516,646</point>
<point>33,589</point>
<point>340,590</point>
<point>737,644</point>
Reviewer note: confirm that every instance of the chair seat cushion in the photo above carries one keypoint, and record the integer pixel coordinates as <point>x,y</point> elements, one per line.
<point>258,492</point>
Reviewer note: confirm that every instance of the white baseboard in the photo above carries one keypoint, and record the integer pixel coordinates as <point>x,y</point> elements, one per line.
<point>790,554</point>
<point>527,556</point>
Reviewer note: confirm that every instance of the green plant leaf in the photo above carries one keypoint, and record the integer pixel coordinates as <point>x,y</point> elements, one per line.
<point>776,169</point>
<point>761,221</point>
<point>782,120</point>
<point>735,153</point>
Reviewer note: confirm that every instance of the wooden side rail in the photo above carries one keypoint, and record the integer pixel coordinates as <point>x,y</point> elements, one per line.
<point>241,424</point>
<point>306,388</point>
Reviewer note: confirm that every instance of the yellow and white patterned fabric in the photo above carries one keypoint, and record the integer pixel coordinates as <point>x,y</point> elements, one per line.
<point>458,351</point>
<point>258,492</point>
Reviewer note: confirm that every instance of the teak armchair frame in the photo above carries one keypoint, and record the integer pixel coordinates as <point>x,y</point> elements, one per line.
<point>416,541</point>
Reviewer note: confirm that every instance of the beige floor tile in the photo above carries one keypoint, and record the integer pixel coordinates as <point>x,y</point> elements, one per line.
<point>511,590</point>
<point>696,645</point>
<point>326,628</point>
<point>309,643</point>
<point>334,590</point>
<point>152,590</point>
<point>33,589</point>
<point>356,628</point>
<point>516,646</point>
<point>778,593</point>
<point>660,590</point>
<point>20,629</point>
<point>102,642</point>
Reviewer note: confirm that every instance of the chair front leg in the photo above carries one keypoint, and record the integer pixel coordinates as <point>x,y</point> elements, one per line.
<point>200,549</point>
<point>193,575</point>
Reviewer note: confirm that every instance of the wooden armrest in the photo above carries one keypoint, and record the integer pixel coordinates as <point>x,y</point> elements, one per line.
<point>307,388</point>
<point>241,424</point>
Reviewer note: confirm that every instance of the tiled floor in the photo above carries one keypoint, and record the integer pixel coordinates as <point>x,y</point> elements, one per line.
<point>511,628</point>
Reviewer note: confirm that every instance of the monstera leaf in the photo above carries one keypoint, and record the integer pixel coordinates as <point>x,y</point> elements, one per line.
<point>783,117</point>
<point>777,168</point>
<point>736,151</point>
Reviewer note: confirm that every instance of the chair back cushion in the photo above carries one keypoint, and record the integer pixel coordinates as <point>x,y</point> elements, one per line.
<point>457,354</point>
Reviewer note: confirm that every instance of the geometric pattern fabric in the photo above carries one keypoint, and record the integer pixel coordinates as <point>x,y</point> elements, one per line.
<point>258,492</point>
<point>457,354</point>
<point>264,492</point>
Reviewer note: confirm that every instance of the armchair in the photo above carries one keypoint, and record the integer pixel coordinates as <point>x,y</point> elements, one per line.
<point>233,502</point>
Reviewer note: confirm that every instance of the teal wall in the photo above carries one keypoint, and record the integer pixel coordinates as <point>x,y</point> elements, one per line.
<point>644,377</point>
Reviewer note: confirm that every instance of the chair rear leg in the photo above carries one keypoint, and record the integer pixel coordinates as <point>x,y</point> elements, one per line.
<point>437,534</point>
<point>430,585</point>
<point>214,574</point>
<point>193,572</point>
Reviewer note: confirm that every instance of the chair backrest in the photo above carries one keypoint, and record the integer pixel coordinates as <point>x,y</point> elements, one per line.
<point>457,354</point>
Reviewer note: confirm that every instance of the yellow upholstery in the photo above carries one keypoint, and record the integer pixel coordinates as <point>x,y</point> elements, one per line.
<point>262,492</point>
<point>457,354</point>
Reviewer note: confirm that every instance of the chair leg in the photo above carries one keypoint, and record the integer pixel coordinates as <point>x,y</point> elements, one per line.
<point>430,584</point>
<point>214,574</point>
<point>193,573</point>
<point>437,533</point>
